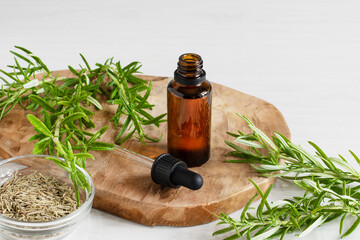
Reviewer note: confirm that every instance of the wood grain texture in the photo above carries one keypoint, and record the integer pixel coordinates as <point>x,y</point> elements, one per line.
<point>123,184</point>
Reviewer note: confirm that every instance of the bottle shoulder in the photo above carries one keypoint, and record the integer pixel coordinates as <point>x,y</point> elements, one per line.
<point>190,92</point>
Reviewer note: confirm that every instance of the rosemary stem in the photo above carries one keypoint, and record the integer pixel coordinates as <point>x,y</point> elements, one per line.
<point>56,137</point>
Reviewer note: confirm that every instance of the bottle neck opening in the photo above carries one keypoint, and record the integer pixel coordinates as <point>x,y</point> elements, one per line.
<point>189,70</point>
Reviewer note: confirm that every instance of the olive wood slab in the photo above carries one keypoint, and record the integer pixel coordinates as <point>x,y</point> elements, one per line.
<point>123,184</point>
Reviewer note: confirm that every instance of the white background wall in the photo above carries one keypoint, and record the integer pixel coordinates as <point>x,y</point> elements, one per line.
<point>302,56</point>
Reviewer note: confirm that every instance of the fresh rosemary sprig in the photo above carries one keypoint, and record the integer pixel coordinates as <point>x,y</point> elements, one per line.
<point>127,91</point>
<point>19,82</point>
<point>130,102</point>
<point>331,187</point>
<point>62,129</point>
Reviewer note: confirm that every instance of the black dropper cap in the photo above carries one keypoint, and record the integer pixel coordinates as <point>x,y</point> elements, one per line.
<point>172,172</point>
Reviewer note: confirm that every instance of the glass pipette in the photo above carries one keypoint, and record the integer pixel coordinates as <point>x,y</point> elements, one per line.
<point>169,171</point>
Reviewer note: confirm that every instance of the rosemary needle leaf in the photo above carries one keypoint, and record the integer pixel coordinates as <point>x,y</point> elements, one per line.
<point>260,208</point>
<point>85,61</point>
<point>73,117</point>
<point>22,57</point>
<point>355,157</point>
<point>42,103</point>
<point>23,49</point>
<point>154,139</point>
<point>124,127</point>
<point>41,145</point>
<point>146,96</point>
<point>342,223</point>
<point>316,223</point>
<point>247,206</point>
<point>39,125</point>
<point>74,71</point>
<point>100,146</point>
<point>266,234</point>
<point>35,137</point>
<point>94,102</point>
<point>352,228</point>
<point>154,120</point>
<point>248,143</point>
<point>84,155</point>
<point>127,137</point>
<point>9,75</point>
<point>222,231</point>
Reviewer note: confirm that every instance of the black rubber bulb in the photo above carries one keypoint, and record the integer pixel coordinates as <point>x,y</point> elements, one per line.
<point>172,172</point>
<point>184,177</point>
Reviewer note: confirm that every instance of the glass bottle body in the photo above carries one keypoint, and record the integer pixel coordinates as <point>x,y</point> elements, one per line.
<point>189,121</point>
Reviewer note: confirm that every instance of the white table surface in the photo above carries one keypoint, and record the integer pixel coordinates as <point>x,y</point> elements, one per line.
<point>302,56</point>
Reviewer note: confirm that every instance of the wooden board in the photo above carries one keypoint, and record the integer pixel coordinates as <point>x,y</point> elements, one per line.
<point>124,186</point>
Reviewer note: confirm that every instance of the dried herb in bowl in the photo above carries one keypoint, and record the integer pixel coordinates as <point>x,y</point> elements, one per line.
<point>35,169</point>
<point>34,197</point>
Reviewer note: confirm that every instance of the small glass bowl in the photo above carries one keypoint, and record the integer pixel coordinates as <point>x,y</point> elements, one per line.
<point>56,229</point>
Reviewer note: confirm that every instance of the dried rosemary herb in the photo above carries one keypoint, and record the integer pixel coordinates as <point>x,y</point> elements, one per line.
<point>34,198</point>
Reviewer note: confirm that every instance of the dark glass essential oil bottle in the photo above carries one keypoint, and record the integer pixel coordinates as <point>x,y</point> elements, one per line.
<point>189,112</point>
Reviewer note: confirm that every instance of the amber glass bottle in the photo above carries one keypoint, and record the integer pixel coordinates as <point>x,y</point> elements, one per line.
<point>189,111</point>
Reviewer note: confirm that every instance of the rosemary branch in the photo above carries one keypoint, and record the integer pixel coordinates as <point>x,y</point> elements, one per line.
<point>331,187</point>
<point>63,102</point>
